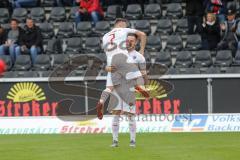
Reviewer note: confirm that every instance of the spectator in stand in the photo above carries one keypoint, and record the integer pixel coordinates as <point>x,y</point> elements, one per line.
<point>25,3</point>
<point>228,32</point>
<point>31,41</point>
<point>2,35</point>
<point>89,8</point>
<point>125,3</point>
<point>6,4</point>
<point>210,32</point>
<point>194,12</point>
<point>238,34</point>
<point>12,40</point>
<point>77,2</point>
<point>218,7</point>
<point>65,2</point>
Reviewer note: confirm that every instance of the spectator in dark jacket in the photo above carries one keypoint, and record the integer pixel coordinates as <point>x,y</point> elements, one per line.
<point>6,4</point>
<point>31,41</point>
<point>89,8</point>
<point>12,40</point>
<point>25,3</point>
<point>210,32</point>
<point>218,7</point>
<point>194,12</point>
<point>2,35</point>
<point>62,3</point>
<point>228,32</point>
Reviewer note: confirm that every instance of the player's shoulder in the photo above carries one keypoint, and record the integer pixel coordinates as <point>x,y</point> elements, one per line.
<point>138,55</point>
<point>106,34</point>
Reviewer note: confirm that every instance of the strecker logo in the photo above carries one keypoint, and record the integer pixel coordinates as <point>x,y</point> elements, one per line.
<point>193,123</point>
<point>25,92</point>
<point>27,99</point>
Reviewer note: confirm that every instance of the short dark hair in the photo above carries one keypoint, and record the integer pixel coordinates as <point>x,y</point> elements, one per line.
<point>133,35</point>
<point>120,20</point>
<point>29,18</point>
<point>15,20</point>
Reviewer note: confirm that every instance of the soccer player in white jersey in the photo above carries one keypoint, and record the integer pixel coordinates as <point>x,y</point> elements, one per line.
<point>114,44</point>
<point>122,107</point>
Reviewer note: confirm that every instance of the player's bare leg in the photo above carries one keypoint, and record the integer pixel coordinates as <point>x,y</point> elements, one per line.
<point>115,127</point>
<point>100,104</point>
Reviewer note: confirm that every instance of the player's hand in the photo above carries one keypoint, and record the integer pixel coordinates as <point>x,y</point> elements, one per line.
<point>223,27</point>
<point>111,68</point>
<point>23,48</point>
<point>141,52</point>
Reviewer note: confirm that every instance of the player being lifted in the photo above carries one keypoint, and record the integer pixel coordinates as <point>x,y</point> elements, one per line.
<point>117,105</point>
<point>114,44</point>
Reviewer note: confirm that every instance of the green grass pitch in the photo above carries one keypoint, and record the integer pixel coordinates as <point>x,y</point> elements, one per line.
<point>159,146</point>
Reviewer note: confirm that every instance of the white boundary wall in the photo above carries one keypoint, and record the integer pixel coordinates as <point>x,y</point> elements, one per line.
<point>145,124</point>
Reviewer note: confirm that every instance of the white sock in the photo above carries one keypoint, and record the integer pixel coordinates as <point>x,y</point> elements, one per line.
<point>115,127</point>
<point>132,128</point>
<point>105,94</point>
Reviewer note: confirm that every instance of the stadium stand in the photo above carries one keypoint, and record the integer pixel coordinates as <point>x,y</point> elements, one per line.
<point>183,59</point>
<point>42,63</point>
<point>174,11</point>
<point>152,11</point>
<point>154,43</point>
<point>164,58</point>
<point>143,25</point>
<point>47,30</point>
<point>101,28</point>
<point>182,26</point>
<point>84,29</point>
<point>58,14</point>
<point>20,14</point>
<point>194,42</point>
<point>65,30</point>
<point>164,21</point>
<point>164,27</point>
<point>4,15</point>
<point>74,45</point>
<point>38,14</point>
<point>223,58</point>
<point>134,12</point>
<point>113,12</point>
<point>174,43</point>
<point>203,59</point>
<point>236,61</point>
<point>22,63</point>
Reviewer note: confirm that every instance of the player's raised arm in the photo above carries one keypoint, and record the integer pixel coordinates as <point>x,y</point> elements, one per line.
<point>143,39</point>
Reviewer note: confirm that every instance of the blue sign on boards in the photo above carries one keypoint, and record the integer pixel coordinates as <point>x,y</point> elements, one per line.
<point>189,123</point>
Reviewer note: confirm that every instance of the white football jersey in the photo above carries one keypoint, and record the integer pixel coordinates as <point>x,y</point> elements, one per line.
<point>116,39</point>
<point>138,59</point>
